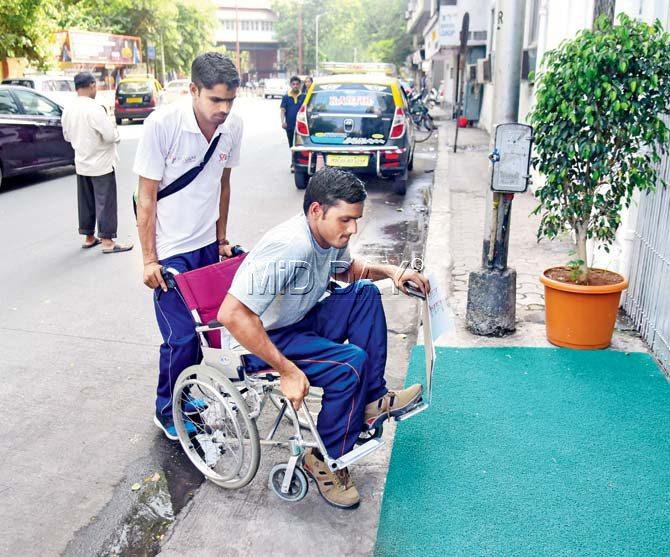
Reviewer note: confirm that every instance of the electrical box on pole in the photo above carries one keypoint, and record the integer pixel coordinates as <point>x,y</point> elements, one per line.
<point>511,158</point>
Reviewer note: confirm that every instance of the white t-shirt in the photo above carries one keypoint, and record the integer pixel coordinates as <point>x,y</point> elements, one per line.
<point>171,144</point>
<point>93,137</point>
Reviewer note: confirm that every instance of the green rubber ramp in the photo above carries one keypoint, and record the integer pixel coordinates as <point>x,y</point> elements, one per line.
<point>533,452</point>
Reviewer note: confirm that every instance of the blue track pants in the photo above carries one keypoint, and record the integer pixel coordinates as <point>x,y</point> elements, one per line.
<point>352,374</point>
<point>180,347</point>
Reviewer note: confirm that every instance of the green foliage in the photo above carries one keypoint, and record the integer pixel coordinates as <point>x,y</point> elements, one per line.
<point>25,28</point>
<point>598,127</point>
<point>186,26</point>
<point>370,30</point>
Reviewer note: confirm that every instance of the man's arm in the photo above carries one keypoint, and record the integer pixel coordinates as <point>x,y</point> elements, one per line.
<point>101,123</point>
<point>247,328</point>
<point>146,228</point>
<point>400,275</point>
<point>282,113</point>
<point>222,224</point>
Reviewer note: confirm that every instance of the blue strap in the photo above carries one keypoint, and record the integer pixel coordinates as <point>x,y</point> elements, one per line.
<point>186,178</point>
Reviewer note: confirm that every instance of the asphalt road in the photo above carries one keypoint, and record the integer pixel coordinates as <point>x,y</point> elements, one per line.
<point>78,342</point>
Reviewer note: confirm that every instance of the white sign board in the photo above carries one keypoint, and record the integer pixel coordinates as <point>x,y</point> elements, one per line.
<point>511,158</point>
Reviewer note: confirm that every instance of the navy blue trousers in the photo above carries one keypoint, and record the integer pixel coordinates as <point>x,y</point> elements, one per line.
<point>352,374</point>
<point>180,347</point>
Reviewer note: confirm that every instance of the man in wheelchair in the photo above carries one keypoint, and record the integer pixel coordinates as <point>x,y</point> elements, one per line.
<point>276,309</point>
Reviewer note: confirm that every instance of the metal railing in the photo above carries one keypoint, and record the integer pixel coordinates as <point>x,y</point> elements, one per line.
<point>647,300</point>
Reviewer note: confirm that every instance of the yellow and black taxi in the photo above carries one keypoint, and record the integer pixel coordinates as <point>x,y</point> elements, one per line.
<point>357,122</point>
<point>136,97</point>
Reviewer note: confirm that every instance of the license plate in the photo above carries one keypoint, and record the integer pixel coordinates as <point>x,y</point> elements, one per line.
<point>134,100</point>
<point>352,161</point>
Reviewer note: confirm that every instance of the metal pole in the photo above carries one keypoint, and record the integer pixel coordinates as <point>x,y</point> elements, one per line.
<point>300,38</point>
<point>162,60</point>
<point>237,40</point>
<point>507,82</point>
<point>316,53</point>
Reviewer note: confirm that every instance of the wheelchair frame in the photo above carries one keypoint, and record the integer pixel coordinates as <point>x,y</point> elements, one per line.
<point>246,395</point>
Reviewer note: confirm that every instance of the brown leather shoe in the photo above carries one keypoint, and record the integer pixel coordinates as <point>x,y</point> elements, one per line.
<point>335,487</point>
<point>393,403</point>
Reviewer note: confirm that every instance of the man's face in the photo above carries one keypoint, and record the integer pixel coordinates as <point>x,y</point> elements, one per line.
<point>339,223</point>
<point>213,105</point>
<point>295,86</point>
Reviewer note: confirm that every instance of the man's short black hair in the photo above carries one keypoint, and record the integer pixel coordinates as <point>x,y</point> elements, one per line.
<point>330,185</point>
<point>83,80</point>
<point>213,68</point>
<point>295,78</point>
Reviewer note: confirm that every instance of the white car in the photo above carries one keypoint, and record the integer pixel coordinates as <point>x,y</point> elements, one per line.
<point>275,88</point>
<point>59,89</point>
<point>174,91</point>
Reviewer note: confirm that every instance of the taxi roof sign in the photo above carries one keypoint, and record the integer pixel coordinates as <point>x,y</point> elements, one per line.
<point>333,68</point>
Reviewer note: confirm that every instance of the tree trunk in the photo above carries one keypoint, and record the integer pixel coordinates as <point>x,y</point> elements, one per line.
<point>583,273</point>
<point>606,7</point>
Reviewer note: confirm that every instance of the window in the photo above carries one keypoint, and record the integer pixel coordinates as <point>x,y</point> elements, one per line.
<point>7,103</point>
<point>37,105</point>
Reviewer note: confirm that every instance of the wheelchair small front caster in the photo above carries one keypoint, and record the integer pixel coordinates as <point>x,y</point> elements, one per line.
<point>298,487</point>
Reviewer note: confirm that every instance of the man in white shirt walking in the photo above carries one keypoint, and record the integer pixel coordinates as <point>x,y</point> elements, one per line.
<point>186,230</point>
<point>93,137</point>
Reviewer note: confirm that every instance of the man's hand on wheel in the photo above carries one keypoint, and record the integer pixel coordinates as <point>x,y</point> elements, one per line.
<point>225,250</point>
<point>401,278</point>
<point>294,385</point>
<point>153,277</point>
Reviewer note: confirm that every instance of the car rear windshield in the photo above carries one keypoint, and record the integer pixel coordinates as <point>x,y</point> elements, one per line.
<point>352,98</point>
<point>134,87</point>
<point>58,85</point>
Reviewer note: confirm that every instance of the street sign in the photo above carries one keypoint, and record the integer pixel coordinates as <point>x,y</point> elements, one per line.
<point>511,158</point>
<point>151,52</point>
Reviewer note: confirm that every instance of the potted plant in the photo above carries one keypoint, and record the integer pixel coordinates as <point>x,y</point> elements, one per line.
<point>599,133</point>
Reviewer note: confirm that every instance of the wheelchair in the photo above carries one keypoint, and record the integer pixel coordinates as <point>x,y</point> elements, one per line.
<point>217,404</point>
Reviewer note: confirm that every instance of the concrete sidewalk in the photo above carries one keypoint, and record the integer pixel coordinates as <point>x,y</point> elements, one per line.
<point>454,243</point>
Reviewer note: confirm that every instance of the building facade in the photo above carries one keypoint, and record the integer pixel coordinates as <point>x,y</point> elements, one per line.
<point>251,23</point>
<point>435,26</point>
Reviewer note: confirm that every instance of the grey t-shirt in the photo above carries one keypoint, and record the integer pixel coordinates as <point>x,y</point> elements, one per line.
<point>287,273</point>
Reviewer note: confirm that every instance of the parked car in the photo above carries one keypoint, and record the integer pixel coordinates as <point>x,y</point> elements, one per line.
<point>275,88</point>
<point>174,91</point>
<point>31,136</point>
<point>136,97</point>
<point>357,122</point>
<point>59,89</point>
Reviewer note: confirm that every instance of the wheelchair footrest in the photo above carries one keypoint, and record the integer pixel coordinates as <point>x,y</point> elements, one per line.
<point>413,412</point>
<point>356,454</point>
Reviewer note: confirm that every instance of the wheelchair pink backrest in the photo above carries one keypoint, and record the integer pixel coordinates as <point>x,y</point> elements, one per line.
<point>204,289</point>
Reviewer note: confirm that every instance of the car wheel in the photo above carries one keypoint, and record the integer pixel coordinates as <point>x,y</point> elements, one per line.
<point>119,121</point>
<point>301,179</point>
<point>400,185</point>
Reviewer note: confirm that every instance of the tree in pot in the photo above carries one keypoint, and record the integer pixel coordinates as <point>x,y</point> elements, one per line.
<point>599,134</point>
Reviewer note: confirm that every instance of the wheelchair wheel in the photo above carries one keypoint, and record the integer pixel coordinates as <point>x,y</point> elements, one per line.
<point>219,436</point>
<point>312,400</point>
<point>299,485</point>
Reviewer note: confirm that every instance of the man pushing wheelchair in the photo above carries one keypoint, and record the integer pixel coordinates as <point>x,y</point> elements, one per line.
<point>283,307</point>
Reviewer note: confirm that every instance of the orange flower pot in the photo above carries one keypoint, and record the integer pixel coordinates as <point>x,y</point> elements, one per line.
<point>578,316</point>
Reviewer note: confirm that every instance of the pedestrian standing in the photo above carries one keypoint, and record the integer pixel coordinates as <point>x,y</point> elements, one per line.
<point>306,84</point>
<point>186,230</point>
<point>290,104</point>
<point>93,137</point>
